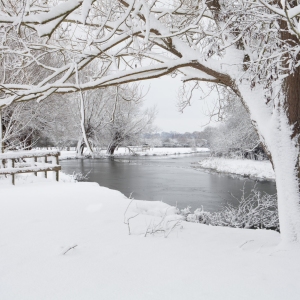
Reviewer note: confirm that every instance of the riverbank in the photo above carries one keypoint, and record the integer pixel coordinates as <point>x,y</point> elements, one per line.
<point>122,151</point>
<point>171,179</point>
<point>245,167</point>
<point>67,240</point>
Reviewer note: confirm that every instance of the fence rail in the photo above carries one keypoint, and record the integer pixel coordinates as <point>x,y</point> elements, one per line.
<point>17,163</point>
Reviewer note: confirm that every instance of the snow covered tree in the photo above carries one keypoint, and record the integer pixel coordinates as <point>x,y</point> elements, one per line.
<point>106,118</point>
<point>17,127</point>
<point>22,124</point>
<point>235,134</point>
<point>251,47</point>
<point>129,123</point>
<point>92,110</point>
<point>111,116</point>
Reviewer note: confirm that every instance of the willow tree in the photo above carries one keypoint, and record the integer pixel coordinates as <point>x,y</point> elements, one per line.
<point>250,47</point>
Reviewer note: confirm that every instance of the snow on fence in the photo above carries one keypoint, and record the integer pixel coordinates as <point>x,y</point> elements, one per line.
<point>29,162</point>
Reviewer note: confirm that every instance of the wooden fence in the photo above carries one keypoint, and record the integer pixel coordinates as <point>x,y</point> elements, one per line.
<point>29,162</point>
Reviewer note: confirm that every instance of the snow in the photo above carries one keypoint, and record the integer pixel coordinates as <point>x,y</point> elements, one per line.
<point>26,154</point>
<point>40,220</point>
<point>86,6</point>
<point>154,208</point>
<point>244,167</point>
<point>38,167</point>
<point>122,151</point>
<point>160,151</point>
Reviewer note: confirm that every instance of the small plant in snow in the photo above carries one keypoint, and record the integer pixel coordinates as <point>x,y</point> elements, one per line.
<point>127,219</point>
<point>164,226</point>
<point>199,216</point>
<point>78,176</point>
<point>185,212</point>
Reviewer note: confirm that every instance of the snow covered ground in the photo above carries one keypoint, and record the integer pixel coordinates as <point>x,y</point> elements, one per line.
<point>66,240</point>
<point>244,167</point>
<point>152,151</point>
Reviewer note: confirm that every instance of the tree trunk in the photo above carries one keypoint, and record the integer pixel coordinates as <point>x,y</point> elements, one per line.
<point>291,89</point>
<point>287,184</point>
<point>278,136</point>
<point>1,133</point>
<point>117,140</point>
<point>82,117</point>
<point>111,148</point>
<point>286,156</point>
<point>82,123</point>
<point>80,147</point>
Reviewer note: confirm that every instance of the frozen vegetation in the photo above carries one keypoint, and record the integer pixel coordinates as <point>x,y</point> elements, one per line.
<point>245,167</point>
<point>67,240</point>
<point>255,210</point>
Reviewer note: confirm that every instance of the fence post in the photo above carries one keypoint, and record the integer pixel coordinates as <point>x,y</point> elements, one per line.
<point>55,162</point>
<point>35,160</point>
<point>10,164</point>
<point>57,172</point>
<point>13,175</point>
<point>45,163</point>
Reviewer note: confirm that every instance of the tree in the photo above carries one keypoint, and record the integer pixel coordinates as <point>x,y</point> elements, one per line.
<point>105,117</point>
<point>129,124</point>
<point>93,111</point>
<point>250,47</point>
<point>235,135</point>
<point>22,124</point>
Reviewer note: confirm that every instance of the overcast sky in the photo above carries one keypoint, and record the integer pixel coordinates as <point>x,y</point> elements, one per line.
<point>164,94</point>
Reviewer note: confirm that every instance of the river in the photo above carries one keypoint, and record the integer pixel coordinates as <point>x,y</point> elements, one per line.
<point>170,179</point>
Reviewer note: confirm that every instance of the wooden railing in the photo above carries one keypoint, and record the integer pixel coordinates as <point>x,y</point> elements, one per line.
<point>19,162</point>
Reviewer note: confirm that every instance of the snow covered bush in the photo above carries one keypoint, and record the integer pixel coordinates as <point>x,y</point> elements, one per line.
<point>78,176</point>
<point>199,216</point>
<point>254,211</point>
<point>186,211</point>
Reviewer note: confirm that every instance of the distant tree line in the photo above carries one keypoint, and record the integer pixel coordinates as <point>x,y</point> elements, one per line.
<point>233,136</point>
<point>176,139</point>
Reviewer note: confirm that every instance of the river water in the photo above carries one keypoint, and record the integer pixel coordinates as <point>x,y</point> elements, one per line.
<point>170,179</point>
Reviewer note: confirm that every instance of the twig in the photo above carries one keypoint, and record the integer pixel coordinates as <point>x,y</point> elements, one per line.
<point>171,229</point>
<point>69,249</point>
<point>127,207</point>
<point>127,221</point>
<point>129,224</point>
<point>245,243</point>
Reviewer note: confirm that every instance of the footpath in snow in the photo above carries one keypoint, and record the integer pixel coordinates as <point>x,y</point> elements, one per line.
<point>67,240</point>
<point>245,167</point>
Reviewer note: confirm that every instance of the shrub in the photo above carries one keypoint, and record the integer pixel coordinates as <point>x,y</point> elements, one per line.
<point>78,176</point>
<point>256,210</point>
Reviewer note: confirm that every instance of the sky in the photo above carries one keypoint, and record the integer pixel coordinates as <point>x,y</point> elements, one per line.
<point>163,93</point>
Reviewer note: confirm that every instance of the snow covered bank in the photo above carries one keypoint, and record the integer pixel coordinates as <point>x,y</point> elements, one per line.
<point>69,241</point>
<point>149,152</point>
<point>244,167</point>
<point>161,151</point>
